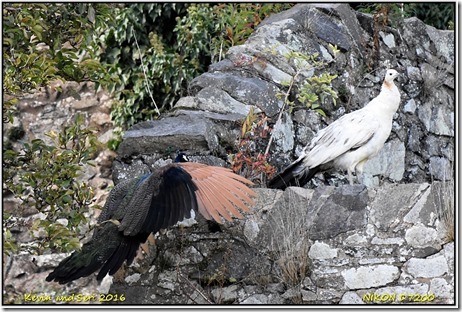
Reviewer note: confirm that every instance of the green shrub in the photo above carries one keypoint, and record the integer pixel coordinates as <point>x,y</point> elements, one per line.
<point>46,177</point>
<point>155,49</point>
<point>44,42</point>
<point>439,15</point>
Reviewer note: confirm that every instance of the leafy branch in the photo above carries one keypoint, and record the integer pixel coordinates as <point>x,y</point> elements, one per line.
<point>314,91</point>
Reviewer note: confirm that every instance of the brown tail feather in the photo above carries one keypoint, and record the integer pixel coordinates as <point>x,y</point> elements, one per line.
<point>211,204</point>
<point>238,189</point>
<point>226,191</point>
<point>220,192</point>
<point>217,191</point>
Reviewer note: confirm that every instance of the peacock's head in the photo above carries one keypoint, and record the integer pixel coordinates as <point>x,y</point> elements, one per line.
<point>181,157</point>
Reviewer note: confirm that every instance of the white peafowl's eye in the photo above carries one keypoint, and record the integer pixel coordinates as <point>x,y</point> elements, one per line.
<point>185,158</point>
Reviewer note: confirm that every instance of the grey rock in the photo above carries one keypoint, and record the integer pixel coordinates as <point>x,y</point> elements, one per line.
<point>123,171</point>
<point>193,255</point>
<point>420,236</point>
<point>217,117</point>
<point>329,276</point>
<point>308,296</point>
<point>389,162</point>
<point>351,297</point>
<point>346,205</point>
<point>413,216</point>
<point>49,261</point>
<point>307,118</point>
<point>246,262</point>
<point>441,168</point>
<point>131,279</point>
<point>187,102</point>
<point>197,296</point>
<point>165,280</point>
<point>251,229</point>
<point>225,294</point>
<point>414,142</point>
<point>303,14</point>
<point>356,240</point>
<point>387,241</point>
<point>449,254</point>
<point>443,41</point>
<point>326,295</point>
<point>370,276</point>
<point>413,73</point>
<point>388,39</point>
<point>437,119</point>
<point>328,30</point>
<point>255,299</point>
<point>218,101</point>
<point>307,124</point>
<point>181,132</point>
<point>248,55</point>
<point>322,251</point>
<point>420,288</point>
<point>388,210</point>
<point>440,288</point>
<point>426,268</point>
<point>249,91</point>
<point>275,288</point>
<point>410,106</point>
<point>283,133</point>
<point>293,294</point>
<point>282,228</point>
<point>438,146</point>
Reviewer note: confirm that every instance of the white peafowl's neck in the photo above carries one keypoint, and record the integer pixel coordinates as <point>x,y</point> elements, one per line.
<point>387,102</point>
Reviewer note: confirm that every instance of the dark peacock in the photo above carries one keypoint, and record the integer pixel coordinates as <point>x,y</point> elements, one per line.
<point>138,207</point>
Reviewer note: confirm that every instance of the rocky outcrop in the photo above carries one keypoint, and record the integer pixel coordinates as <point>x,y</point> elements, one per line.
<point>387,241</point>
<point>345,245</point>
<point>421,146</point>
<point>53,107</point>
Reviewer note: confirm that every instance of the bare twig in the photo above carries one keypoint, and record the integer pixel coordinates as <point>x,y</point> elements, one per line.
<point>282,110</point>
<point>145,75</point>
<point>194,287</point>
<point>357,85</point>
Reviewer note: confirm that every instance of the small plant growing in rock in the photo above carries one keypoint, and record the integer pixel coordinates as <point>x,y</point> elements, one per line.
<point>45,177</point>
<point>316,90</point>
<point>313,91</point>
<point>290,245</point>
<point>247,162</point>
<point>444,204</point>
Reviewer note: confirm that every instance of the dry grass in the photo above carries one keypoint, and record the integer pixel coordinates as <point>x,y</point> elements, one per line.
<point>290,243</point>
<point>445,199</point>
<point>444,203</point>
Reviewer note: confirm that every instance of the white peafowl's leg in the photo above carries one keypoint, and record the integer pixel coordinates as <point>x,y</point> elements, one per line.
<point>350,176</point>
<point>359,171</point>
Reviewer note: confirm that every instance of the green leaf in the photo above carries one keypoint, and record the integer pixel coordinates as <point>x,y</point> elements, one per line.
<point>321,112</point>
<point>91,14</point>
<point>38,31</point>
